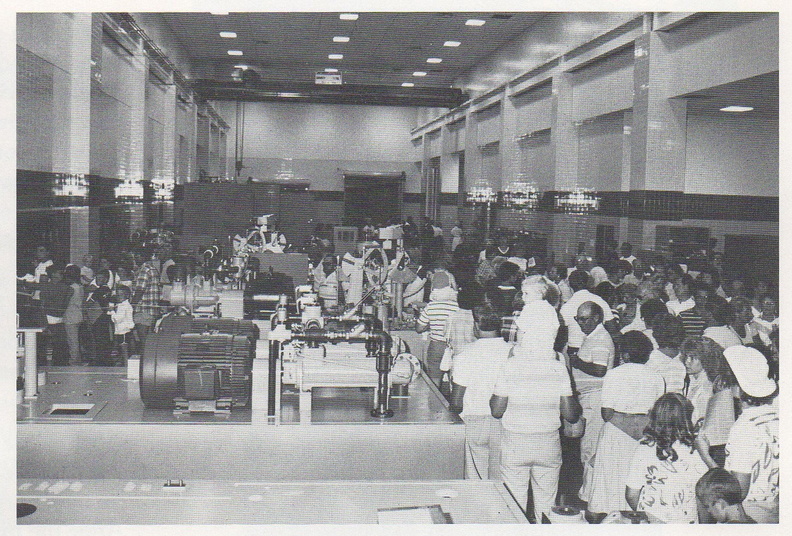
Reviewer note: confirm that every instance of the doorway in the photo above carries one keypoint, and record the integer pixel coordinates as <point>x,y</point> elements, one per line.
<point>372,195</point>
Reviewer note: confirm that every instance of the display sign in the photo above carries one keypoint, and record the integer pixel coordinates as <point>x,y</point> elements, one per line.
<point>328,78</point>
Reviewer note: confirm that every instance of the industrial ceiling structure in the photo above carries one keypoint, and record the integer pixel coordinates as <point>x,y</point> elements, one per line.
<point>395,58</point>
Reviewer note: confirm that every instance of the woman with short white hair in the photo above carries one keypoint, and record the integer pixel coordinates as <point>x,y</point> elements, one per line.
<point>537,324</point>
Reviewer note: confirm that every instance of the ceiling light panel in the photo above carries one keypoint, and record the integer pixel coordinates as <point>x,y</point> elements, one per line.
<point>335,56</point>
<point>419,73</point>
<point>330,70</point>
<point>736,109</point>
<point>228,35</point>
<point>434,60</point>
<point>235,53</point>
<point>340,39</point>
<point>451,44</point>
<point>475,22</point>
<point>408,84</point>
<point>348,16</point>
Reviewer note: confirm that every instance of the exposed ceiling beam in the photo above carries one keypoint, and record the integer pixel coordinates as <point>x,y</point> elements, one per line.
<point>328,94</point>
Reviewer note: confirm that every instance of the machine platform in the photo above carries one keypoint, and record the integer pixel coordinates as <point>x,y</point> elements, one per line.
<point>139,502</point>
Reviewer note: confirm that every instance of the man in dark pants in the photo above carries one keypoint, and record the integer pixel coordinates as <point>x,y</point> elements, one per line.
<point>55,296</point>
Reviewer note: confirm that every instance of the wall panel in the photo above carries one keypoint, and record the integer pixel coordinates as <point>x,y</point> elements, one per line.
<point>732,154</point>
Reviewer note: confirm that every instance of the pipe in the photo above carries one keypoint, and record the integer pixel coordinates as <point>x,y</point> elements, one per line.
<point>274,355</point>
<point>31,364</point>
<point>381,348</point>
<point>398,297</point>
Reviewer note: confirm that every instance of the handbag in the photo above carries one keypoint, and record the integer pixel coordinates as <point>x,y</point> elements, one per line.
<point>447,360</point>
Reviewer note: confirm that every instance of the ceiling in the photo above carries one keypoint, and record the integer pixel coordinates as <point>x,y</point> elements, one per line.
<point>284,51</point>
<point>759,92</point>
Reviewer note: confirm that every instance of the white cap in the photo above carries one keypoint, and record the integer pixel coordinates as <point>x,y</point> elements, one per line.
<point>751,369</point>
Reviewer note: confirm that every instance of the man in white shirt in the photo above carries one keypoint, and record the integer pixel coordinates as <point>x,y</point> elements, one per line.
<point>626,253</point>
<point>531,392</point>
<point>753,440</point>
<point>683,291</point>
<point>579,281</point>
<point>669,332</point>
<point>476,368</point>
<point>589,366</point>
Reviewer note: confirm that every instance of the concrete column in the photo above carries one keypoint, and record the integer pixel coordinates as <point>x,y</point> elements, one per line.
<point>472,153</point>
<point>659,130</point>
<point>71,126</point>
<point>137,134</point>
<point>169,138</point>
<point>657,158</point>
<point>509,151</point>
<point>564,133</point>
<point>79,233</point>
<point>565,232</point>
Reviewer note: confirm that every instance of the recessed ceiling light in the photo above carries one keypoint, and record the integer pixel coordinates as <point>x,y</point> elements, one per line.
<point>434,60</point>
<point>340,39</point>
<point>408,84</point>
<point>348,16</point>
<point>451,44</point>
<point>335,56</point>
<point>243,67</point>
<point>330,70</point>
<point>419,73</point>
<point>228,35</point>
<point>736,109</point>
<point>235,53</point>
<point>475,22</point>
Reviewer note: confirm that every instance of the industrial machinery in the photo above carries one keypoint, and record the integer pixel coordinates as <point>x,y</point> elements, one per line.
<point>198,364</point>
<point>316,351</point>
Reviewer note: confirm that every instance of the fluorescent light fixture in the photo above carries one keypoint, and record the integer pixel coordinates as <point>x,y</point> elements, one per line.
<point>736,109</point>
<point>408,84</point>
<point>234,52</point>
<point>419,73</point>
<point>434,60</point>
<point>451,44</point>
<point>348,16</point>
<point>330,70</point>
<point>288,94</point>
<point>340,39</point>
<point>335,56</point>
<point>228,35</point>
<point>475,22</point>
<point>243,67</point>
<point>218,12</point>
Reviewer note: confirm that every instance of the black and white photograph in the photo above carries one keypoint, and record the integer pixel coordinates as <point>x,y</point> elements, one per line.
<point>394,265</point>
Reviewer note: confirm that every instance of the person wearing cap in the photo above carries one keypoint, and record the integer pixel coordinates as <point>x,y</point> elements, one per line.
<point>753,440</point>
<point>433,317</point>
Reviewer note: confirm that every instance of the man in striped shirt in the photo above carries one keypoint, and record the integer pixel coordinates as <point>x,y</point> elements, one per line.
<point>442,302</point>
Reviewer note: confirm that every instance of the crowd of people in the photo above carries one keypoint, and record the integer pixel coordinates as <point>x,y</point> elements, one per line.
<point>95,312</point>
<point>668,376</point>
